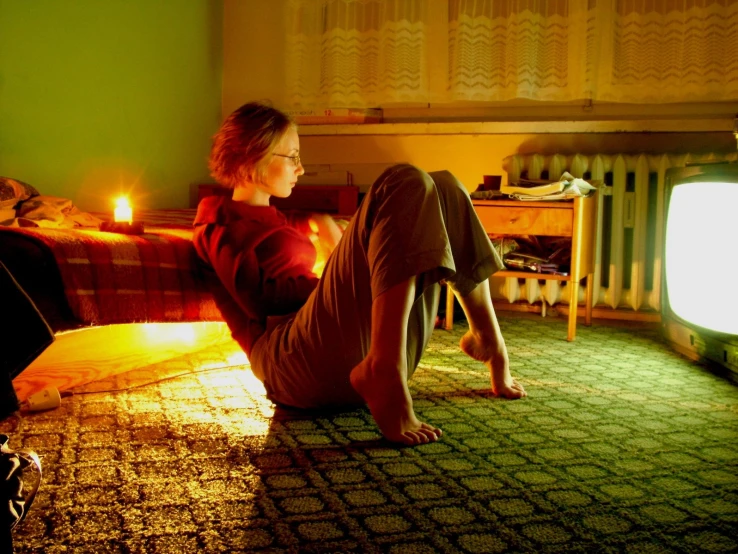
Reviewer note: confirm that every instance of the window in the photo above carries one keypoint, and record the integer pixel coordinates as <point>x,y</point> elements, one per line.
<point>368,53</point>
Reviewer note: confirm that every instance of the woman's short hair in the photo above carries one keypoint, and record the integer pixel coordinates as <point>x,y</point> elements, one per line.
<point>242,144</point>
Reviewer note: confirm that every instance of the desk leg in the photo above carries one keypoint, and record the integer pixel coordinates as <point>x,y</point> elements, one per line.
<point>588,305</point>
<point>449,308</point>
<point>573,297</point>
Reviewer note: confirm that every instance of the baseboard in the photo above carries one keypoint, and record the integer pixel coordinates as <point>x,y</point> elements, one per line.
<point>563,310</point>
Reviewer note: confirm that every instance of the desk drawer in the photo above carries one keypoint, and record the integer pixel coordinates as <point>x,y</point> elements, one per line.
<point>504,220</point>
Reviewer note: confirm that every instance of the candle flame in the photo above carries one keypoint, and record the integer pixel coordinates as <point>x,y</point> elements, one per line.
<point>123,211</point>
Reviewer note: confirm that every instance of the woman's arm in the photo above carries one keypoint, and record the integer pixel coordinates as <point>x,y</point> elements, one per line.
<point>322,230</point>
<point>328,231</point>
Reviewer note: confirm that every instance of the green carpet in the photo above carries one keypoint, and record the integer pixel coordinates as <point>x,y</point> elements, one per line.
<point>621,446</point>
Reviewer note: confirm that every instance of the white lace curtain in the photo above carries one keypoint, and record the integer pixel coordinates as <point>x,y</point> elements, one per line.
<point>356,53</point>
<point>534,49</point>
<point>666,50</point>
<point>363,53</point>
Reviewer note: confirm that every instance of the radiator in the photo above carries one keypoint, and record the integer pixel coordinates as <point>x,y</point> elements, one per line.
<point>630,226</point>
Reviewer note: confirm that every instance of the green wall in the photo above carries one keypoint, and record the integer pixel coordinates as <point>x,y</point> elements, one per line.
<point>99,97</point>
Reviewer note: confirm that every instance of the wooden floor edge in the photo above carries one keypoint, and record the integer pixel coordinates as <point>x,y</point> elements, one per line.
<point>563,310</point>
<point>86,355</point>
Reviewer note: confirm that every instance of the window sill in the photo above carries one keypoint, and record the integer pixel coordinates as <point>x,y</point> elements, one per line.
<point>673,125</point>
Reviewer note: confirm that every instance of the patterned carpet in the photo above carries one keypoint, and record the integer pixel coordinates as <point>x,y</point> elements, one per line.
<point>622,446</point>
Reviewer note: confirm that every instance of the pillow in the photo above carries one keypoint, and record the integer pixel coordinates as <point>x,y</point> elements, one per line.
<point>13,191</point>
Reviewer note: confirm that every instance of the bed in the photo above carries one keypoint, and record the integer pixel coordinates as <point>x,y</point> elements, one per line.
<point>114,301</point>
<point>80,277</point>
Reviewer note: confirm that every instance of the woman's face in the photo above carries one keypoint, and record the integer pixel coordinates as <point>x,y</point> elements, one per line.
<point>284,166</point>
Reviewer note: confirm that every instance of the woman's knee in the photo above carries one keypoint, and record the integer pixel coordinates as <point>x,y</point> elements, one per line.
<point>406,176</point>
<point>411,180</point>
<point>447,182</point>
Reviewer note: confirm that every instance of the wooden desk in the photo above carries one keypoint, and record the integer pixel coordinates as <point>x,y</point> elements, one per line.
<point>569,218</point>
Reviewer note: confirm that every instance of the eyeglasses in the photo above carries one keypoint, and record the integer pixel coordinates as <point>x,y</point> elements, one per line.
<point>295,159</point>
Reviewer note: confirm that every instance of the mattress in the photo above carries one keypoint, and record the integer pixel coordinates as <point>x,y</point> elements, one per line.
<point>81,277</point>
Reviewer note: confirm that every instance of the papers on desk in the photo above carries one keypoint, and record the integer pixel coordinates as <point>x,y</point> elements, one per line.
<point>566,187</point>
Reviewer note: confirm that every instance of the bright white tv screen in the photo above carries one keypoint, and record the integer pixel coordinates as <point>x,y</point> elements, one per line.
<point>701,254</point>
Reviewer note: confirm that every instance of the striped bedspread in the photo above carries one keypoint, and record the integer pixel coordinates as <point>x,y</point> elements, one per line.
<point>113,278</point>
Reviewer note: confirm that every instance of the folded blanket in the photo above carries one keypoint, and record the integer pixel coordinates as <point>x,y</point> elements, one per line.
<point>48,212</point>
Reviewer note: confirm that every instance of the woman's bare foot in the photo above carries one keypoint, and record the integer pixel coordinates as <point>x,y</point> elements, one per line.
<point>388,398</point>
<point>503,384</point>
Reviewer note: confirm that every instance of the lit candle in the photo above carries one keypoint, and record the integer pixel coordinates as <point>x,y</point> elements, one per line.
<point>123,211</point>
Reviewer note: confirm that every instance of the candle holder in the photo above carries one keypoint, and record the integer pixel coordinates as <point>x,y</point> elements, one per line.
<point>123,227</point>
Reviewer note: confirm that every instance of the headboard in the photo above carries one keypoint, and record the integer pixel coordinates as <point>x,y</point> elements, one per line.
<point>340,200</point>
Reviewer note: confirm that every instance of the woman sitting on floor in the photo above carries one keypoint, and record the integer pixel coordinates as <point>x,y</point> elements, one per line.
<point>356,334</point>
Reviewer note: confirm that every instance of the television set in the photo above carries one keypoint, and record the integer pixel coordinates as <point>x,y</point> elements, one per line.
<point>699,304</point>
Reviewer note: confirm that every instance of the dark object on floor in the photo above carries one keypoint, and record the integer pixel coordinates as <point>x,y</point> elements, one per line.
<point>22,341</point>
<point>14,501</point>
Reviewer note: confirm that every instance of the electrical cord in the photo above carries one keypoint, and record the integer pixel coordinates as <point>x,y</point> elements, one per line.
<point>69,393</point>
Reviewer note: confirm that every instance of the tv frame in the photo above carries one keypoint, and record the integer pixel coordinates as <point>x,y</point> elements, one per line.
<point>696,342</point>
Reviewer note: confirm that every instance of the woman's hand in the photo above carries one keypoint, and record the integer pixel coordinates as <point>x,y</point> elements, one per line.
<point>329,233</point>
<point>325,236</point>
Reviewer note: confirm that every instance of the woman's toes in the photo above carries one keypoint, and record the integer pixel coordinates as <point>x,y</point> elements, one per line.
<point>433,432</point>
<point>412,438</point>
<point>518,387</point>
<point>430,433</point>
